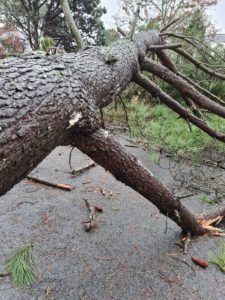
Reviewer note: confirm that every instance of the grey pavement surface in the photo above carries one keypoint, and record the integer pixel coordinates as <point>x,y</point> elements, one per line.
<point>128,257</point>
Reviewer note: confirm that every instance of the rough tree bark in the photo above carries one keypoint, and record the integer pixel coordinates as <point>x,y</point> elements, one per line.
<point>51,101</point>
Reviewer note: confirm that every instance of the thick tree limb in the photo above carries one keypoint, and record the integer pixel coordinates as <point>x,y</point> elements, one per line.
<point>166,46</point>
<point>165,60</point>
<point>195,42</point>
<point>100,147</point>
<point>182,86</point>
<point>175,106</point>
<point>202,89</point>
<point>198,64</point>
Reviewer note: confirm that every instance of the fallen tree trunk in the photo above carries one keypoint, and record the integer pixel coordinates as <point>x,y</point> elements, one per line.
<point>51,101</point>
<point>42,99</point>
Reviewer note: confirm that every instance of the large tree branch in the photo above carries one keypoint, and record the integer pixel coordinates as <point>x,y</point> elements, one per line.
<point>148,85</point>
<point>195,42</point>
<point>198,64</point>
<point>183,86</point>
<point>202,89</point>
<point>126,168</point>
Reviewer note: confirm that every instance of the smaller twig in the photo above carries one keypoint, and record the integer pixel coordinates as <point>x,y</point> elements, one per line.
<point>166,46</point>
<point>169,281</point>
<point>91,223</point>
<point>186,241</point>
<point>70,157</point>
<point>178,243</point>
<point>189,125</point>
<point>61,186</point>
<point>126,114</point>
<point>169,24</point>
<point>6,274</point>
<point>199,64</point>
<point>102,119</point>
<point>175,257</point>
<point>185,196</point>
<point>192,41</point>
<point>166,226</point>
<point>208,93</point>
<point>82,169</point>
<point>132,146</point>
<point>25,202</point>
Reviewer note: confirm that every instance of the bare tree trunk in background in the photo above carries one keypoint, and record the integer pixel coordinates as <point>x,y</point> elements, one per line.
<point>71,24</point>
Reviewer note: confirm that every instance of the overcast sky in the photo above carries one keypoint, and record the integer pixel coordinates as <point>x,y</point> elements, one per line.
<point>216,13</point>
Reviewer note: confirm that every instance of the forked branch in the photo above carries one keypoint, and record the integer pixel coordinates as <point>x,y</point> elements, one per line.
<point>183,87</point>
<point>199,64</point>
<point>126,168</point>
<point>152,88</point>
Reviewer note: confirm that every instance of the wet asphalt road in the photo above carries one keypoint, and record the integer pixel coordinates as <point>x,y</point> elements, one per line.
<point>128,257</point>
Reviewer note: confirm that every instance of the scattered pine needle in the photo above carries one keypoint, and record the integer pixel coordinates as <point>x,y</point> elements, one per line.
<point>218,258</point>
<point>21,266</point>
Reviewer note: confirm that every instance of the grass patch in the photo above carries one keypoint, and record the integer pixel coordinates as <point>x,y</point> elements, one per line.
<point>21,266</point>
<point>218,258</point>
<point>163,128</point>
<point>207,200</point>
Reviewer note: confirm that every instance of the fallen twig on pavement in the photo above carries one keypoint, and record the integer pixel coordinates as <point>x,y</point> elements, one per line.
<point>5,274</point>
<point>82,169</point>
<point>91,222</point>
<point>61,186</point>
<point>186,241</point>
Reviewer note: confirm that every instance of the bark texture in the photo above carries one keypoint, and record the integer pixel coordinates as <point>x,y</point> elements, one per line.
<point>126,168</point>
<point>42,99</point>
<point>56,100</point>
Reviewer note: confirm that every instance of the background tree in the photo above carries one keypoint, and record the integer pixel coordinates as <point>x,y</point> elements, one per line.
<point>45,18</point>
<point>191,30</point>
<point>160,12</point>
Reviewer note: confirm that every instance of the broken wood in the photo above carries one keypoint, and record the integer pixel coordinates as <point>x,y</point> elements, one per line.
<point>186,242</point>
<point>61,186</point>
<point>98,208</point>
<point>91,222</point>
<point>80,170</point>
<point>6,274</point>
